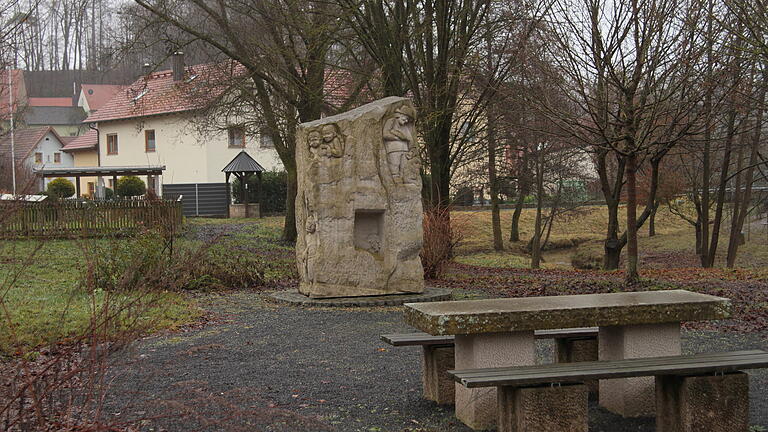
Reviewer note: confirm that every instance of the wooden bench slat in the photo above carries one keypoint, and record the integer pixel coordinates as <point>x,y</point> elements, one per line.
<point>577,372</point>
<point>555,367</point>
<point>421,338</point>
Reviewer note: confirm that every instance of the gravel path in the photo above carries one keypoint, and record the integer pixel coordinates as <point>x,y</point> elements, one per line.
<point>268,367</point>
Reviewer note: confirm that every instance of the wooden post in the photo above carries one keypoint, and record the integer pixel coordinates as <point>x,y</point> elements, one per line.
<point>229,197</point>
<point>114,185</point>
<point>261,195</point>
<point>244,186</point>
<point>77,186</point>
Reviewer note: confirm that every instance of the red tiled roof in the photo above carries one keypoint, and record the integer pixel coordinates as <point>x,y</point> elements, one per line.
<point>158,93</point>
<point>99,94</point>
<point>24,141</point>
<point>50,101</point>
<point>83,142</point>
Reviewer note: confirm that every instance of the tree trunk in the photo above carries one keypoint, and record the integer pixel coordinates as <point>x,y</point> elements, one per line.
<point>632,276</point>
<point>721,189</point>
<point>522,191</point>
<point>498,241</point>
<point>536,241</point>
<point>733,245</point>
<point>652,221</point>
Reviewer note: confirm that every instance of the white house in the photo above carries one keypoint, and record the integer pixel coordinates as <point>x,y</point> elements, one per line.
<point>153,122</point>
<point>34,148</point>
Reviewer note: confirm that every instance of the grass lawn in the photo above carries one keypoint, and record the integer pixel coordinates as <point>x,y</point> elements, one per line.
<point>44,304</point>
<point>582,232</point>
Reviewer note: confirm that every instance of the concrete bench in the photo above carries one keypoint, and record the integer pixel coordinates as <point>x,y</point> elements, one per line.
<point>703,392</point>
<point>571,345</point>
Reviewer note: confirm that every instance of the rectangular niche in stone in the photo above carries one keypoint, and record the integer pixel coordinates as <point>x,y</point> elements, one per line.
<point>358,206</point>
<point>369,230</point>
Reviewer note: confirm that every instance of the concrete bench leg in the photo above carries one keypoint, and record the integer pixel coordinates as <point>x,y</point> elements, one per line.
<point>634,397</point>
<point>438,385</point>
<point>717,403</point>
<point>543,409</point>
<point>585,349</point>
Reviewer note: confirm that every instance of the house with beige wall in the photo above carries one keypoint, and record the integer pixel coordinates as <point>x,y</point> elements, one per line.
<point>154,122</point>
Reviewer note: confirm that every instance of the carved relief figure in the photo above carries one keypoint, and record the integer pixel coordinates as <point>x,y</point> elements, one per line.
<point>398,141</point>
<point>325,142</point>
<point>315,139</point>
<point>332,141</point>
<point>311,242</point>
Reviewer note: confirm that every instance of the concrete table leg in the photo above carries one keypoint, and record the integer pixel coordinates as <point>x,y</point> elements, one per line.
<point>635,397</point>
<point>477,407</point>
<point>717,403</point>
<point>438,385</point>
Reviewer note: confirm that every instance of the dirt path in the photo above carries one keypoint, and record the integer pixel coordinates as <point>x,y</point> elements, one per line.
<point>282,368</point>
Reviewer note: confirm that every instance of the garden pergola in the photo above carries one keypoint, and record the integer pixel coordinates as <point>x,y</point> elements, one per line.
<point>243,166</point>
<point>113,172</point>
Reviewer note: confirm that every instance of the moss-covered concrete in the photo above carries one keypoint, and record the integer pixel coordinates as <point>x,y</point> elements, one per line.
<point>589,310</point>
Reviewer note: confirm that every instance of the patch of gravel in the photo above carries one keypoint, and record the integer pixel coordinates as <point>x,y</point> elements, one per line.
<point>269,367</point>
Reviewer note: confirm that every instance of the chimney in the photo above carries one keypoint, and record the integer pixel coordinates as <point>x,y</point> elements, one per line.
<point>146,69</point>
<point>178,66</point>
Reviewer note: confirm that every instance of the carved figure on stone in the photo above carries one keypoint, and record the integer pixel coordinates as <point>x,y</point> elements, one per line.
<point>359,233</point>
<point>314,140</point>
<point>325,142</point>
<point>398,141</point>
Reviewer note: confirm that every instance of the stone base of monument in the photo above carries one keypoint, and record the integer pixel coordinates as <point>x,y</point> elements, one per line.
<point>294,297</point>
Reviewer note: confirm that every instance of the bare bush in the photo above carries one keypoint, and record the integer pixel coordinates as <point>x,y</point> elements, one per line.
<point>442,233</point>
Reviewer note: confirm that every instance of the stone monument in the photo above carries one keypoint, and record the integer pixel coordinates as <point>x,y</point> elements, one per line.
<point>358,206</point>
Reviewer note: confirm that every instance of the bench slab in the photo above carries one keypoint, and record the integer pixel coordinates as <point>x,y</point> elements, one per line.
<point>698,364</point>
<point>536,313</point>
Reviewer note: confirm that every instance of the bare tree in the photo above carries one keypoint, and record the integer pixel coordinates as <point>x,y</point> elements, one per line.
<point>629,68</point>
<point>286,61</point>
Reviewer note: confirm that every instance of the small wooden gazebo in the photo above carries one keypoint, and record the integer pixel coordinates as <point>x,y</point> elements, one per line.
<point>243,166</point>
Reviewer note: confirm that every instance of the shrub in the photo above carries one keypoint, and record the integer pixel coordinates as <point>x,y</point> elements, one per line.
<point>441,236</point>
<point>275,184</point>
<point>130,186</point>
<point>61,188</point>
<point>587,258</point>
<point>108,193</point>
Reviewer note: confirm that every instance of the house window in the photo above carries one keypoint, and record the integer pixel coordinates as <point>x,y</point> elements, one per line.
<point>265,141</point>
<point>91,189</point>
<point>236,137</point>
<point>57,157</point>
<point>149,140</point>
<point>38,157</point>
<point>112,144</point>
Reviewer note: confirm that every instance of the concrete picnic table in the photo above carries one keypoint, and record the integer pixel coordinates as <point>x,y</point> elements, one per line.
<point>500,332</point>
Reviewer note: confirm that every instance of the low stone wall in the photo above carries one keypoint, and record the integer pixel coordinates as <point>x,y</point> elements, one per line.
<point>238,210</point>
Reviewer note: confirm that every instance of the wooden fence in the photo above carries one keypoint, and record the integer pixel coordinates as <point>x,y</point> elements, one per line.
<point>59,219</point>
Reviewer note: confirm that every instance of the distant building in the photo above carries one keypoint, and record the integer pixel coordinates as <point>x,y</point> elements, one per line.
<point>154,121</point>
<point>85,153</point>
<point>34,148</point>
<point>67,120</point>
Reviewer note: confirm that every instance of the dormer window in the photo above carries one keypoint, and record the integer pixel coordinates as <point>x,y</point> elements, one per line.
<point>140,95</point>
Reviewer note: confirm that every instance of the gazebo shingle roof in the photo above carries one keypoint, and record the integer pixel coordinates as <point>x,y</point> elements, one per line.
<point>243,162</point>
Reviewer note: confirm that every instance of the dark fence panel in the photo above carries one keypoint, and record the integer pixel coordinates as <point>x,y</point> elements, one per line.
<point>86,218</point>
<point>200,199</point>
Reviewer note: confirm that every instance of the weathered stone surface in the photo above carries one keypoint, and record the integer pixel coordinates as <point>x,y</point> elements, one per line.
<point>543,409</point>
<point>438,385</point>
<point>358,207</point>
<point>569,350</point>
<point>703,403</point>
<point>539,313</point>
<point>634,397</point>
<point>477,407</point>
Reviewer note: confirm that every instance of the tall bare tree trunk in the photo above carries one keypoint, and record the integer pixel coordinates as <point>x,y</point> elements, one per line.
<point>498,241</point>
<point>536,241</point>
<point>632,275</point>
<point>522,191</point>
